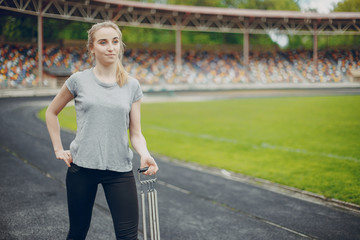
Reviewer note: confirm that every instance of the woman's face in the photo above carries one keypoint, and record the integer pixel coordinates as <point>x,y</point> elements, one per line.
<point>106,46</point>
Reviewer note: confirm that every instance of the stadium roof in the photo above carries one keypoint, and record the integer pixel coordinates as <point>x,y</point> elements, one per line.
<point>231,11</point>
<point>191,18</point>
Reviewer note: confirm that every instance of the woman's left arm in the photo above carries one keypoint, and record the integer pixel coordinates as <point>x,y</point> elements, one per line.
<point>138,140</point>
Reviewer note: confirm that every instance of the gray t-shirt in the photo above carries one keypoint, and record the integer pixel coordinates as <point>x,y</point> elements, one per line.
<point>102,116</point>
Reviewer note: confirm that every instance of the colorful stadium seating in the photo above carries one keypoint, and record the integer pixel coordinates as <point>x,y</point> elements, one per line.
<point>18,66</point>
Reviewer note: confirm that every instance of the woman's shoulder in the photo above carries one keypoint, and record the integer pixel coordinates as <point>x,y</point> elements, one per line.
<point>135,88</point>
<point>81,74</point>
<point>132,80</point>
<point>79,77</point>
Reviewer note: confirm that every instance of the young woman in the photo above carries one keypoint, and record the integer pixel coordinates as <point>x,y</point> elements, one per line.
<point>107,103</point>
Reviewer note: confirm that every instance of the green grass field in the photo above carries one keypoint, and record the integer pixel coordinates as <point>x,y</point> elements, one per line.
<point>311,143</point>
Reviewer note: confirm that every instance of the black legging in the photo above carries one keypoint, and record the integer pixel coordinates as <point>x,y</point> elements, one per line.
<point>121,196</point>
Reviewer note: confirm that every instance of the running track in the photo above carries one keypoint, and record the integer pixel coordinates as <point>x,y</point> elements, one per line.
<point>194,203</point>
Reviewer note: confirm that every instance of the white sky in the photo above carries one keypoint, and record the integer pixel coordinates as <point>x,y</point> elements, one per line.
<point>322,6</point>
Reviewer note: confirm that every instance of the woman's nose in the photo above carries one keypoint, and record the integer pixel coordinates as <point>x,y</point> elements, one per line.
<point>110,47</point>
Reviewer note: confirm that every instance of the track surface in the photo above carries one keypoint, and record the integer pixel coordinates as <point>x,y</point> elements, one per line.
<point>193,204</point>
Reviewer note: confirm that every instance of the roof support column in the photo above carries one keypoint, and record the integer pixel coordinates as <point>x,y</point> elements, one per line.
<point>246,49</point>
<point>315,48</point>
<point>178,50</point>
<point>40,44</point>
<point>246,54</point>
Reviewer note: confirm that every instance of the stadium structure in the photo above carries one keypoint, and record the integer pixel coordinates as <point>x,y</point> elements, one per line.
<point>177,69</point>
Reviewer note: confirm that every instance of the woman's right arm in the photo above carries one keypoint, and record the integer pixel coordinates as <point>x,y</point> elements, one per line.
<point>52,123</point>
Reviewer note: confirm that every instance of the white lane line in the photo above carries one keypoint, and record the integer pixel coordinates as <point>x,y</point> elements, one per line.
<point>261,146</point>
<point>173,187</point>
<point>213,201</point>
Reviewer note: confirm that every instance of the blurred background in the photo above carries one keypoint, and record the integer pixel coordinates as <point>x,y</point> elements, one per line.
<point>195,50</point>
<point>208,58</point>
<point>263,92</point>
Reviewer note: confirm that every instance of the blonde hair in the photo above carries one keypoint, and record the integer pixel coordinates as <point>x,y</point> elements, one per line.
<point>121,74</point>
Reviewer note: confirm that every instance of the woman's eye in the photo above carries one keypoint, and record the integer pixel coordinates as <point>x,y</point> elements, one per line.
<point>102,42</point>
<point>116,41</point>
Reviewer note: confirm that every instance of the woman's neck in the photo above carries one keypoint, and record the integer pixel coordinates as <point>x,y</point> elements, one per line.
<point>105,73</point>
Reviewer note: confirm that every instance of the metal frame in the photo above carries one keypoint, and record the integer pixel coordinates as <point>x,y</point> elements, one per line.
<point>147,190</point>
<point>188,18</point>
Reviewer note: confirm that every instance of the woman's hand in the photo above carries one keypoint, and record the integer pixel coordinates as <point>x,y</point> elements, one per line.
<point>148,161</point>
<point>64,155</point>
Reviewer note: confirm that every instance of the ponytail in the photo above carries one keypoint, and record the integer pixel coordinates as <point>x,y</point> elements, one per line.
<point>121,74</point>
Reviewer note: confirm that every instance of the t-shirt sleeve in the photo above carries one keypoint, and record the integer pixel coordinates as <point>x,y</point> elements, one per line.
<point>71,84</point>
<point>137,92</point>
